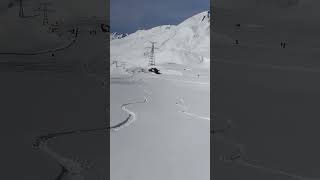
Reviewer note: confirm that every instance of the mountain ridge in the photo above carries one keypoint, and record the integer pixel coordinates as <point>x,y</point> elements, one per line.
<point>186,43</point>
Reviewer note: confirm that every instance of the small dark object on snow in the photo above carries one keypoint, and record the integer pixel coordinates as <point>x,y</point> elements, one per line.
<point>154,70</point>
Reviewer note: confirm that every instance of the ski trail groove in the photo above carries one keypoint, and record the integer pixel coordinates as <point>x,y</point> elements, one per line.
<point>182,106</point>
<point>195,115</point>
<point>131,117</point>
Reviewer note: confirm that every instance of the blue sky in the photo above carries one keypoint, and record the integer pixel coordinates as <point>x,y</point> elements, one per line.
<point>131,15</point>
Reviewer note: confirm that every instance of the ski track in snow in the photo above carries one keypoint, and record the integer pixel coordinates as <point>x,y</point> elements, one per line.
<point>132,115</point>
<point>181,105</point>
<point>146,91</point>
<point>130,119</point>
<point>195,115</point>
<point>170,38</point>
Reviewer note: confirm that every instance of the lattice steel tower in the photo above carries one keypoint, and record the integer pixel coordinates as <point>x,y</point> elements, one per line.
<point>152,61</point>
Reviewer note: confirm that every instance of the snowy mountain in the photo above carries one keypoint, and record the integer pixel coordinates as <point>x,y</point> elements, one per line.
<point>187,43</point>
<point>116,35</point>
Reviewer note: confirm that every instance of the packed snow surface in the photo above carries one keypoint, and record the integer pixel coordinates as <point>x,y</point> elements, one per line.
<point>163,120</point>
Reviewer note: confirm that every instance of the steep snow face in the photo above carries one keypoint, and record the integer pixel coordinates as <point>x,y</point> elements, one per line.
<point>187,43</point>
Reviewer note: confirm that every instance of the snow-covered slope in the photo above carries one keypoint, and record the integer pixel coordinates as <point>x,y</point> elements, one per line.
<point>186,43</point>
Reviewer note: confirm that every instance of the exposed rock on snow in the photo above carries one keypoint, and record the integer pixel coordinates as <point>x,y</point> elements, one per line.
<point>116,35</point>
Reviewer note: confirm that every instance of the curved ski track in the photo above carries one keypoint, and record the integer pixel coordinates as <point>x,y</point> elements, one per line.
<point>131,117</point>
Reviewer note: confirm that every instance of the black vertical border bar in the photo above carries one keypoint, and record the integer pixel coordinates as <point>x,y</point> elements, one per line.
<point>107,85</point>
<point>212,90</point>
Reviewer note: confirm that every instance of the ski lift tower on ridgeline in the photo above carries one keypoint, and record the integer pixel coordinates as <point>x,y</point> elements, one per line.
<point>152,61</point>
